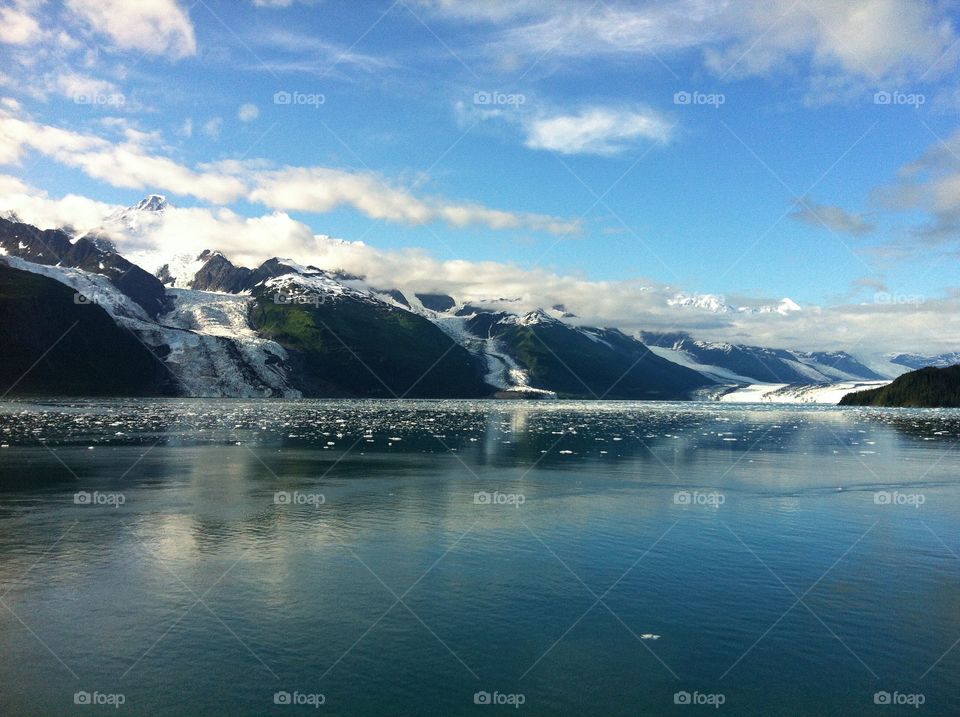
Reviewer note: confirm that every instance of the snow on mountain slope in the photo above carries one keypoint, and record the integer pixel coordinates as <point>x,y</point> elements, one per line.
<point>707,302</point>
<point>502,371</point>
<point>717,373</point>
<point>205,341</point>
<point>915,361</point>
<point>318,285</point>
<point>135,224</point>
<point>718,305</point>
<point>230,355</point>
<point>91,289</point>
<point>178,271</point>
<point>821,393</point>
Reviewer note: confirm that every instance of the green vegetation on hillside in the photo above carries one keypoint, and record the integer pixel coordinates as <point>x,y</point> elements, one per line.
<point>353,348</point>
<point>925,388</point>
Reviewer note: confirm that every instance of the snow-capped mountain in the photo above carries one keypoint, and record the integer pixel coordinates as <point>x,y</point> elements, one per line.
<point>718,305</point>
<point>915,361</point>
<point>133,219</point>
<point>753,364</point>
<point>286,329</point>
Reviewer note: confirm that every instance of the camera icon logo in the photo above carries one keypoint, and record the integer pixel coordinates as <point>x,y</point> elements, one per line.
<point>482,698</point>
<point>281,497</point>
<point>81,698</point>
<point>282,97</point>
<point>882,497</point>
<point>681,98</point>
<point>682,698</point>
<point>482,498</point>
<point>882,98</point>
<point>882,698</point>
<point>682,497</point>
<point>482,98</point>
<point>282,698</point>
<point>82,498</point>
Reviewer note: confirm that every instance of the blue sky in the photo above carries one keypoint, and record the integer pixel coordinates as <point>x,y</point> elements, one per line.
<point>757,150</point>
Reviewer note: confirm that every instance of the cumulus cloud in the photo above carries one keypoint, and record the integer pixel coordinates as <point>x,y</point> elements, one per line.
<point>86,89</point>
<point>211,128</point>
<point>870,328</point>
<point>596,130</point>
<point>34,206</point>
<point>17,27</point>
<point>831,217</point>
<point>321,189</point>
<point>248,112</point>
<point>156,27</point>
<point>132,164</point>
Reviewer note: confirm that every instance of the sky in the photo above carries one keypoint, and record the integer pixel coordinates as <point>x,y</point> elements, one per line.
<point>612,156</point>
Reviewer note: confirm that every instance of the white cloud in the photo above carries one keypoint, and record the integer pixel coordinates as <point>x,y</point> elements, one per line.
<point>186,129</point>
<point>211,128</point>
<point>320,189</point>
<point>34,206</point>
<point>86,89</point>
<point>133,164</point>
<point>17,27</point>
<point>596,130</point>
<point>871,39</point>
<point>831,217</point>
<point>156,27</point>
<point>306,53</point>
<point>866,41</point>
<point>632,305</point>
<point>248,112</point>
<point>930,184</point>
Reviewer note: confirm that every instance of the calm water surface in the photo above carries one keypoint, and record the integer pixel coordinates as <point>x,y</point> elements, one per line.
<point>193,557</point>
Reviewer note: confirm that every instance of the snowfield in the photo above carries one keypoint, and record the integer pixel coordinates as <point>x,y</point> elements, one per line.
<point>822,393</point>
<point>213,351</point>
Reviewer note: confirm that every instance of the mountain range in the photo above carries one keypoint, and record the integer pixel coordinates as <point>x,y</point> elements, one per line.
<point>77,317</point>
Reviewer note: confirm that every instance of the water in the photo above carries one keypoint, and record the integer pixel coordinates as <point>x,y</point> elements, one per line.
<point>622,556</point>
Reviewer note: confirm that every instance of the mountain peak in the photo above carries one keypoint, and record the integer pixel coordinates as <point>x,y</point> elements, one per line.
<point>151,203</point>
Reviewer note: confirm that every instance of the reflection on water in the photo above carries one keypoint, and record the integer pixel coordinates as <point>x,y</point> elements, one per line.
<point>790,560</point>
